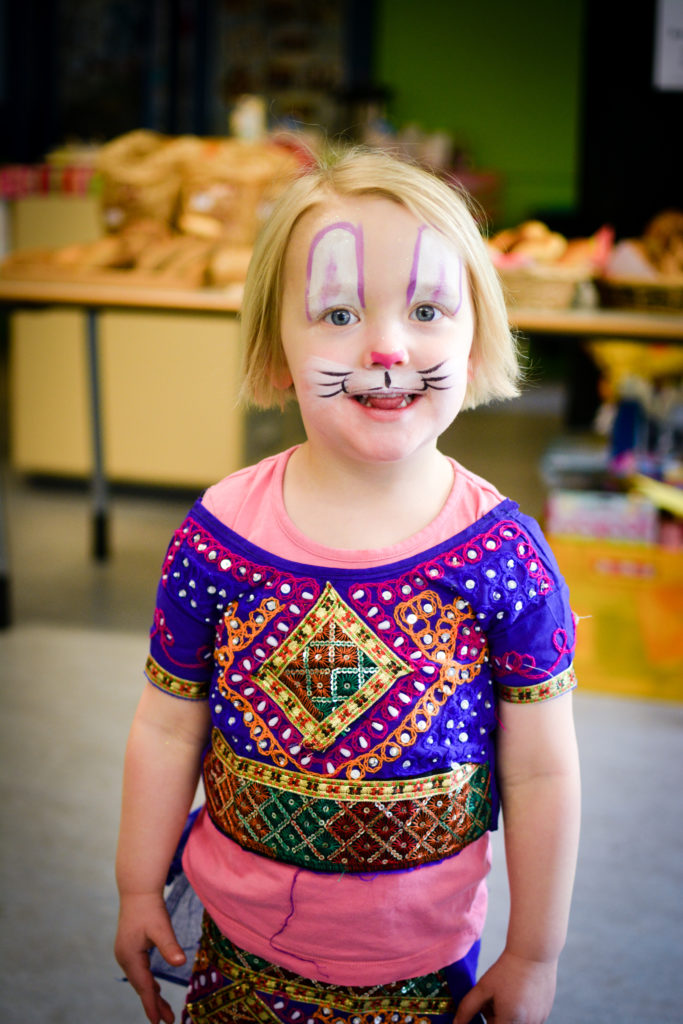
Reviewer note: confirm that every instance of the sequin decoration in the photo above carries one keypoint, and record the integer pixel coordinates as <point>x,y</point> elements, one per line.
<point>174,685</point>
<point>230,985</point>
<point>329,671</point>
<point>440,631</point>
<point>239,633</point>
<point>333,825</point>
<point>324,679</point>
<point>559,684</point>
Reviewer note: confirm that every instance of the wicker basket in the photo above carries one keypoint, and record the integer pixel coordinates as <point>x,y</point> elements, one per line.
<point>536,287</point>
<point>141,176</point>
<point>227,192</point>
<point>664,295</point>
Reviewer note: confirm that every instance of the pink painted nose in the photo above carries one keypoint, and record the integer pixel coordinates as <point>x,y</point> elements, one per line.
<point>386,359</point>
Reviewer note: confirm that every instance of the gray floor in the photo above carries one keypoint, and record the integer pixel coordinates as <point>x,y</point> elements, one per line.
<point>70,669</point>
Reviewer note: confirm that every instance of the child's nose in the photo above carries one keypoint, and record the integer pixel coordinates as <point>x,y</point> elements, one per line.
<point>387,359</point>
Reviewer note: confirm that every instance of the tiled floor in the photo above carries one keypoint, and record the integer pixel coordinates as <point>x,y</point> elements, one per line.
<point>70,670</point>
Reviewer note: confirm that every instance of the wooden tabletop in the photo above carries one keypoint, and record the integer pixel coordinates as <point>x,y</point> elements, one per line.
<point>569,322</point>
<point>121,296</point>
<point>595,323</point>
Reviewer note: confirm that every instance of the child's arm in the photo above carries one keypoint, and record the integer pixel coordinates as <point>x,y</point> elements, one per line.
<point>160,778</point>
<point>540,793</point>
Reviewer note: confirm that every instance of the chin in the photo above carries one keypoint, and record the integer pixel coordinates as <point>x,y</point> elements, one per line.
<point>390,452</point>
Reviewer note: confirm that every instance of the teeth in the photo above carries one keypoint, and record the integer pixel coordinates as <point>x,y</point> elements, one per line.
<point>366,400</point>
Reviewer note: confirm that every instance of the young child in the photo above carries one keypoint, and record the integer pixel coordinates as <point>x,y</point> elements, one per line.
<point>362,647</point>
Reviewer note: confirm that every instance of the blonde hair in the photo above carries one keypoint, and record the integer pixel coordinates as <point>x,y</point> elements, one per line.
<point>358,172</point>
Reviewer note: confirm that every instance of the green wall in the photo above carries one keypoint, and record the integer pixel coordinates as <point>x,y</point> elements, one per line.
<point>503,78</point>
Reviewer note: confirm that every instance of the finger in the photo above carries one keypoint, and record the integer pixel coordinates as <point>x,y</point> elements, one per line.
<point>142,981</point>
<point>165,941</point>
<point>165,1011</point>
<point>138,972</point>
<point>155,1006</point>
<point>172,953</point>
<point>469,1006</point>
<point>150,998</point>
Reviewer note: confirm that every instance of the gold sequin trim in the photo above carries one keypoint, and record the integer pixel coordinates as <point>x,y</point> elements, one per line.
<point>177,687</point>
<point>384,790</point>
<point>249,990</point>
<point>537,692</point>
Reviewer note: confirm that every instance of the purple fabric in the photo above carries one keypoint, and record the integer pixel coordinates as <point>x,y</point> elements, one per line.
<point>510,617</point>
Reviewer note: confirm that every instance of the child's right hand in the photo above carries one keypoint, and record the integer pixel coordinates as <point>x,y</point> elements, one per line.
<point>143,923</point>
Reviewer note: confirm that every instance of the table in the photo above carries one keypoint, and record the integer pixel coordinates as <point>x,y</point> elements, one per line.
<point>94,297</point>
<point>600,323</point>
<point>570,322</point>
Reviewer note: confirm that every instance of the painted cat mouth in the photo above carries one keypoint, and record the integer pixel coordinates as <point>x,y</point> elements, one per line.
<point>395,389</point>
<point>385,400</point>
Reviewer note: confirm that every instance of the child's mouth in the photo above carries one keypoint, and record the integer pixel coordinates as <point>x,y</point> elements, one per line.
<point>395,401</point>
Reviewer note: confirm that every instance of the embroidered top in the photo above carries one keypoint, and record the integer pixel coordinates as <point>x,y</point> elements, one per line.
<point>337,695</point>
<point>354,709</point>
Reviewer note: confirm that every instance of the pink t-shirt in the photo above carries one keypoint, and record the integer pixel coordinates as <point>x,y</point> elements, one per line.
<point>345,929</point>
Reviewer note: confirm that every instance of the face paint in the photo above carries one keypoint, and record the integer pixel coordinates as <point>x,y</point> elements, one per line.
<point>334,274</point>
<point>387,359</point>
<point>334,379</point>
<point>436,273</point>
<point>365,256</point>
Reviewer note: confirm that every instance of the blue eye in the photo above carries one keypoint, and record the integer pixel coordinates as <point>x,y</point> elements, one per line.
<point>426,313</point>
<point>340,317</point>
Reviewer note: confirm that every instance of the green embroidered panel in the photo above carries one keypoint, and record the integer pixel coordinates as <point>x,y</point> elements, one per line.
<point>332,826</point>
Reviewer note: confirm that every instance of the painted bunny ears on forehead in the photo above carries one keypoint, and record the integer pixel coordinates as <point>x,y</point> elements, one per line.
<point>335,272</point>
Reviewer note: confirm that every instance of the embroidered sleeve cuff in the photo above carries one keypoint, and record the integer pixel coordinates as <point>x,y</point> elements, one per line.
<point>536,692</point>
<point>187,689</point>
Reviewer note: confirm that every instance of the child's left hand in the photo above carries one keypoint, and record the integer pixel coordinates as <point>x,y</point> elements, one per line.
<point>513,991</point>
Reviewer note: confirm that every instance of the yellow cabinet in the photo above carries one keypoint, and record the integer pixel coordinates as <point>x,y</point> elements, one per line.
<point>169,395</point>
<point>169,380</point>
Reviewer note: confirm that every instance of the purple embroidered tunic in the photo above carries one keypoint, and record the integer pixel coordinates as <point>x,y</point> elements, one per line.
<point>354,710</point>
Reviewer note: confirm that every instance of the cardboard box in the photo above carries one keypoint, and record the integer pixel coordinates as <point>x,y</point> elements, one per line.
<point>629,600</point>
<point>601,515</point>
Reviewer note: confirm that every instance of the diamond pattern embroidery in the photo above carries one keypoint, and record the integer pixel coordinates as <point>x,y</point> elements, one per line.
<point>329,671</point>
<point>247,988</point>
<point>332,826</point>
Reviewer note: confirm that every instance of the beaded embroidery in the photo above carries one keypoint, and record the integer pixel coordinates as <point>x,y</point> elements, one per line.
<point>342,826</point>
<point>229,985</point>
<point>329,671</point>
<point>369,749</point>
<point>174,685</point>
<point>354,710</point>
<point>561,683</point>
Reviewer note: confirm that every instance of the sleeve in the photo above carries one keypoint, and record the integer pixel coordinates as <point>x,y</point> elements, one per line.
<point>182,636</point>
<point>532,642</point>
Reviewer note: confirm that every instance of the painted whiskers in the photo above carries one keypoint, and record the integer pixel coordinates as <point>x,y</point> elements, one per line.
<point>382,383</point>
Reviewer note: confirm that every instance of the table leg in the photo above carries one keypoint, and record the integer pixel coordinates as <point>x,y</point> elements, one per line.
<point>5,589</point>
<point>100,489</point>
<point>5,599</point>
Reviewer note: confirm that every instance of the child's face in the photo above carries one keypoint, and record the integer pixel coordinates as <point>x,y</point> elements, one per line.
<point>377,328</point>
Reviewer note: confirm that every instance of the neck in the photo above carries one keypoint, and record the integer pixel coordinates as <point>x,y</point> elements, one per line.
<point>355,505</point>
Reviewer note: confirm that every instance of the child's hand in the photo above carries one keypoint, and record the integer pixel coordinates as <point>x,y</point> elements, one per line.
<point>513,991</point>
<point>143,923</point>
